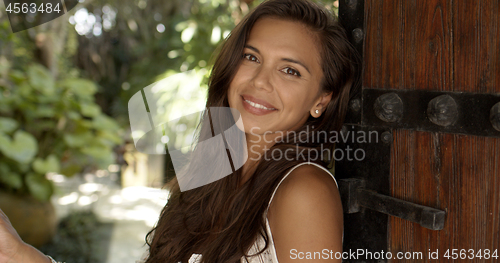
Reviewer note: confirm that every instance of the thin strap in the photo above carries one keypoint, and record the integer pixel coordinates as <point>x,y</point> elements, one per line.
<point>293,168</point>
<point>272,248</point>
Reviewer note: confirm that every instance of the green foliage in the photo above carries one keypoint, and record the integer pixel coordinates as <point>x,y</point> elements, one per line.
<point>80,238</point>
<point>21,148</point>
<point>150,38</point>
<point>49,125</point>
<point>16,47</point>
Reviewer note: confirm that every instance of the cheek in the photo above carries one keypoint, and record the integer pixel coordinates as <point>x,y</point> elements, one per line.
<point>235,83</point>
<point>239,82</point>
<point>296,100</point>
<point>233,87</point>
<point>231,98</point>
<point>240,73</point>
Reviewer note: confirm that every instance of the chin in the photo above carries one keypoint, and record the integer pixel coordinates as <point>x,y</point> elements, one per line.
<point>251,127</point>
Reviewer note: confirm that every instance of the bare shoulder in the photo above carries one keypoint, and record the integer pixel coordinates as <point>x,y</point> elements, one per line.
<point>306,215</point>
<point>307,185</point>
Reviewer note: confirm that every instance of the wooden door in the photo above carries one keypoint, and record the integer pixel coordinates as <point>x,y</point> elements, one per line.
<point>437,62</point>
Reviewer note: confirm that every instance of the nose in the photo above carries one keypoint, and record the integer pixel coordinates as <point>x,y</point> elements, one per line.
<point>262,79</point>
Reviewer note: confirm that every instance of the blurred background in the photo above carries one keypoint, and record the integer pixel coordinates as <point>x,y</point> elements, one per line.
<point>71,180</point>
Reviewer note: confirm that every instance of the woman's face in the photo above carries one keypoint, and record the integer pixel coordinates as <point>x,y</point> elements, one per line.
<point>277,85</point>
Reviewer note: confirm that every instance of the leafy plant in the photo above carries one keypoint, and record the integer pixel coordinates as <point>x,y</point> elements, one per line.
<point>49,125</point>
<point>80,238</point>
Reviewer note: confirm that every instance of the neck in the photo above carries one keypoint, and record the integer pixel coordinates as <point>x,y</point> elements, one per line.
<point>257,145</point>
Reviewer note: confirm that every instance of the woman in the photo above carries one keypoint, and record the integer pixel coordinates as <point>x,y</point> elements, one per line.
<point>288,69</point>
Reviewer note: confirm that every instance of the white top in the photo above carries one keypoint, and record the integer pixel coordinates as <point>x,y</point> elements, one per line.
<point>269,255</point>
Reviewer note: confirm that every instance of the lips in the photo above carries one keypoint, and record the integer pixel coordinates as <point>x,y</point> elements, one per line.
<point>258,103</point>
<point>257,106</point>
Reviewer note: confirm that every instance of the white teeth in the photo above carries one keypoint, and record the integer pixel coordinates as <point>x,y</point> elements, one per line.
<point>258,105</point>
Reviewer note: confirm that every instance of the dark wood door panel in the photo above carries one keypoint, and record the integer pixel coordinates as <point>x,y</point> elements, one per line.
<point>456,173</point>
<point>439,45</point>
<point>476,46</point>
<point>408,45</point>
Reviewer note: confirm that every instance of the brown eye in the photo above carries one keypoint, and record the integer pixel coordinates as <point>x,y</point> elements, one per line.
<point>251,57</point>
<point>291,71</point>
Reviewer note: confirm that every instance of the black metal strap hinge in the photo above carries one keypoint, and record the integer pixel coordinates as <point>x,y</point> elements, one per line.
<point>432,111</point>
<point>356,196</point>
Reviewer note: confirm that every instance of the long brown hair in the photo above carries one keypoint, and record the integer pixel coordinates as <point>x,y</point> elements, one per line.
<point>223,219</point>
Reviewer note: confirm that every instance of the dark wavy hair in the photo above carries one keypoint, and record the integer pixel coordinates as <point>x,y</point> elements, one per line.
<point>223,219</point>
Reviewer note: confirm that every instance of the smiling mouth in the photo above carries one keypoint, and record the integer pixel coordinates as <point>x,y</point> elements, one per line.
<point>258,106</point>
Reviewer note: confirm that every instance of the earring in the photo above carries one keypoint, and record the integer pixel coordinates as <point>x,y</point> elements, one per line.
<point>317,111</point>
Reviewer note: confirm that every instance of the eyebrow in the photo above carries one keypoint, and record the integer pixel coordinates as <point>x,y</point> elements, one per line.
<point>284,59</point>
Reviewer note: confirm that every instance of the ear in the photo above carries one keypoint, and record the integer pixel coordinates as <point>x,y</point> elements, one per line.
<point>320,104</point>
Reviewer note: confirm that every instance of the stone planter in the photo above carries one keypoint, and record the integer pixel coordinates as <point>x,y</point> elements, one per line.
<point>35,221</point>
